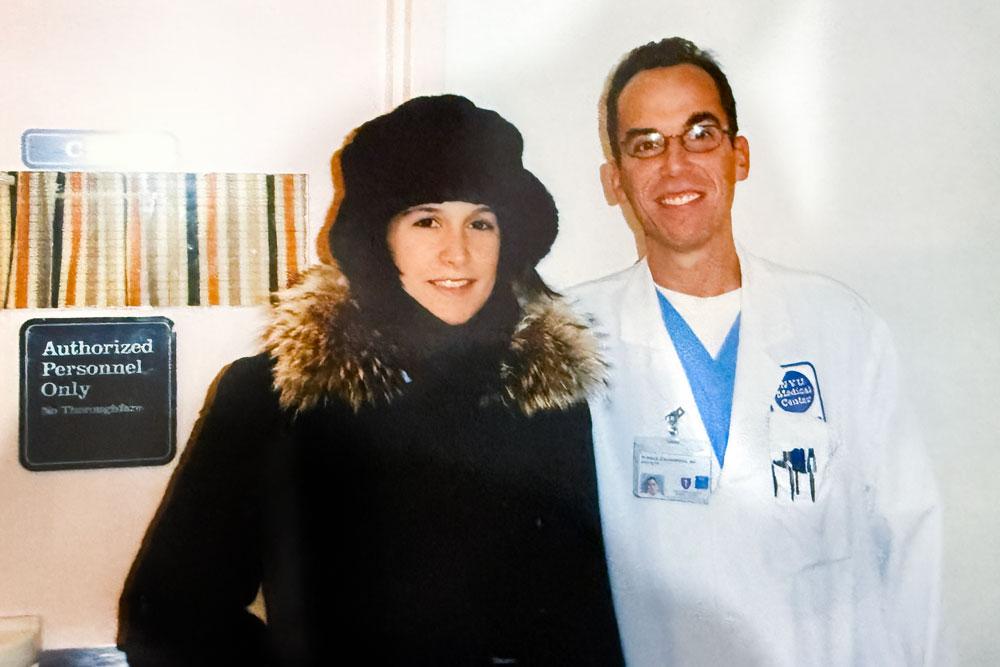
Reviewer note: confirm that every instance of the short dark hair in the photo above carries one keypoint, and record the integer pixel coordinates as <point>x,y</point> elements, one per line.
<point>664,53</point>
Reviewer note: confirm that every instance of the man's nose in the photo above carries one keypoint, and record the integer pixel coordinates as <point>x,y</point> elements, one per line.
<point>674,157</point>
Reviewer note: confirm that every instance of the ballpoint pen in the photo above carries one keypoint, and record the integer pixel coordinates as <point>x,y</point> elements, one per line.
<point>791,475</point>
<point>811,465</point>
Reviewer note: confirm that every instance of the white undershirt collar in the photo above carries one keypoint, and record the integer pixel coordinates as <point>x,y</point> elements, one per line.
<point>710,317</point>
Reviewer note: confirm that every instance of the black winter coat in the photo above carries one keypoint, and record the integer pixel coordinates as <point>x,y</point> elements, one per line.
<point>387,519</point>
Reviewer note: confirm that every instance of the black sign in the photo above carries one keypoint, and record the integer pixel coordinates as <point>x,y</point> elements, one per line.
<point>97,392</point>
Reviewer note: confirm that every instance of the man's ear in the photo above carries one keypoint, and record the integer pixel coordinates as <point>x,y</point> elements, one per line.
<point>741,148</point>
<point>611,183</point>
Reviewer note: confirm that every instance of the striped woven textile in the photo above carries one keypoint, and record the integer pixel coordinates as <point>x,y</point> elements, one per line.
<point>110,239</point>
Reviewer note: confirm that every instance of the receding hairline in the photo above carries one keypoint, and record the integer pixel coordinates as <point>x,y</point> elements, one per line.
<point>665,53</point>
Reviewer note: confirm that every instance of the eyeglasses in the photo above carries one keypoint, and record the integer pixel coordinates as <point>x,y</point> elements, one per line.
<point>699,138</point>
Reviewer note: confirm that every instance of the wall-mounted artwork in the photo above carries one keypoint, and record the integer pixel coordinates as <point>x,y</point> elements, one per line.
<point>148,239</point>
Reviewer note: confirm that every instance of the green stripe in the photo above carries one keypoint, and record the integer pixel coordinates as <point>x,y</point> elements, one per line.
<point>272,237</point>
<point>194,273</point>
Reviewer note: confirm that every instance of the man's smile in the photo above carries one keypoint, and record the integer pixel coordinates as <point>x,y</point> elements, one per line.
<point>679,198</point>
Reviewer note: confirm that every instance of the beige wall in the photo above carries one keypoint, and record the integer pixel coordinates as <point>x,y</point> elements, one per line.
<point>245,86</point>
<point>70,536</point>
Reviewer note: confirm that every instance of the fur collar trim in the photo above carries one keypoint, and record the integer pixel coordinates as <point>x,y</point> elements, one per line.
<point>321,350</point>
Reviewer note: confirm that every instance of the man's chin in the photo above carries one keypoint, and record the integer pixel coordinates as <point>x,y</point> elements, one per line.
<point>681,242</point>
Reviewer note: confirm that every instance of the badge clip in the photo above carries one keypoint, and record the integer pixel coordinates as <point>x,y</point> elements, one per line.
<point>672,420</point>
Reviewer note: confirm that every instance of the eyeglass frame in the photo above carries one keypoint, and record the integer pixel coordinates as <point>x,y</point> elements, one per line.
<point>703,120</point>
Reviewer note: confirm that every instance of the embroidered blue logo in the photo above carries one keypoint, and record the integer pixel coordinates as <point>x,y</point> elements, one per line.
<point>796,392</point>
<point>686,482</point>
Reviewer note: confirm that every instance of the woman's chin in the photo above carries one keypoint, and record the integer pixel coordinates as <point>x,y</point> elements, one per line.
<point>452,306</point>
<point>453,316</point>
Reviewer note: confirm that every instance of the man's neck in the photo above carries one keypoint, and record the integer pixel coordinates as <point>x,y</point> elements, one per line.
<point>708,271</point>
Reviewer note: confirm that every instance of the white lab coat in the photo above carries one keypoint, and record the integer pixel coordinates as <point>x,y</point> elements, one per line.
<point>751,579</point>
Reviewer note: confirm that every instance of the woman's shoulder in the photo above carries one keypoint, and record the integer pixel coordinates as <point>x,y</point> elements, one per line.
<point>245,387</point>
<point>554,362</point>
<point>253,371</point>
<point>240,414</point>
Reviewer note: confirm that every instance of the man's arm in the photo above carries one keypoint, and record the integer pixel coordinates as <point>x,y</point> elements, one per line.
<point>906,510</point>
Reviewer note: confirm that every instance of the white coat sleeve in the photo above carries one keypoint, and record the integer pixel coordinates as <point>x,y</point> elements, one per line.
<point>906,512</point>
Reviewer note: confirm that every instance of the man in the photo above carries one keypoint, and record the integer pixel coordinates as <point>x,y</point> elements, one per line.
<point>798,521</point>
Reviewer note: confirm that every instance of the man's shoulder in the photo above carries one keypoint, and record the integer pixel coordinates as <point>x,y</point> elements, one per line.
<point>607,282</point>
<point>803,289</point>
<point>604,290</point>
<point>602,302</point>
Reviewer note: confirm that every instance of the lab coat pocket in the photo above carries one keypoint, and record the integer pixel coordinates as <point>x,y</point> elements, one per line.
<point>815,522</point>
<point>811,548</point>
<point>820,555</point>
<point>807,478</point>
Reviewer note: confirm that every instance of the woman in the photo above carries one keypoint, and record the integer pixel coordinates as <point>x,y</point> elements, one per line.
<point>407,471</point>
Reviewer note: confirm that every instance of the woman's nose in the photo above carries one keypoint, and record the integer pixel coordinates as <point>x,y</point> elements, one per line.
<point>455,247</point>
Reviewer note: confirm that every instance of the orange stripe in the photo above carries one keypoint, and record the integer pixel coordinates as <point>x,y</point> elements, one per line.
<point>133,288</point>
<point>291,260</point>
<point>76,224</point>
<point>211,234</point>
<point>21,226</point>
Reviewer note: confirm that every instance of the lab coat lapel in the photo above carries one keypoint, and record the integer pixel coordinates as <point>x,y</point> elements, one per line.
<point>642,323</point>
<point>765,340</point>
<point>654,370</point>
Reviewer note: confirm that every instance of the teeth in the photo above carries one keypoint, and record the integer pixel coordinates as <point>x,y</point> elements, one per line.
<point>679,200</point>
<point>452,283</point>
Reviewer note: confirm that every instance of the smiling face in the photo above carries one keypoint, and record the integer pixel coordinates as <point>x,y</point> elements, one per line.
<point>447,255</point>
<point>682,199</point>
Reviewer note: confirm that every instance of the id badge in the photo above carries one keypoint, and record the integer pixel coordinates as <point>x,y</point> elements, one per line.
<point>666,468</point>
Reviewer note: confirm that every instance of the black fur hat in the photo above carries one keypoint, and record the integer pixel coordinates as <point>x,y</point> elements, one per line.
<point>430,150</point>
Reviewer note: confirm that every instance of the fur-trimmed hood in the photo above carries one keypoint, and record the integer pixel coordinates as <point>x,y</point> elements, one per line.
<point>323,349</point>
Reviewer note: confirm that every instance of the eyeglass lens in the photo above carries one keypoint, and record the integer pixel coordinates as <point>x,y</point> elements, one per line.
<point>697,139</point>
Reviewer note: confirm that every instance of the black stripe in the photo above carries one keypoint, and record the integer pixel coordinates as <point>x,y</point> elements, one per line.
<point>272,237</point>
<point>194,273</point>
<point>57,236</point>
